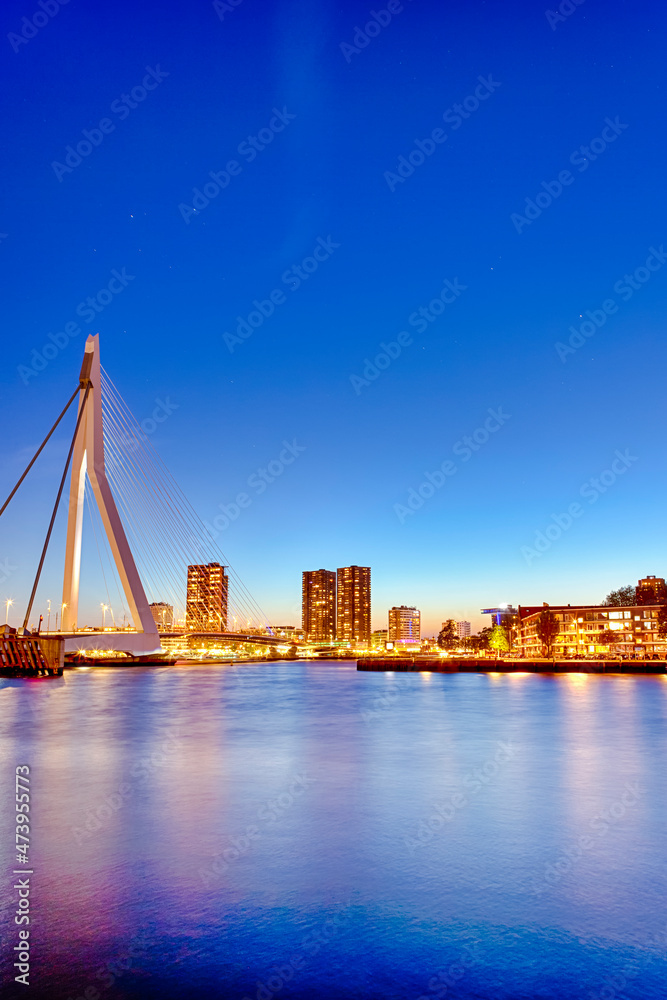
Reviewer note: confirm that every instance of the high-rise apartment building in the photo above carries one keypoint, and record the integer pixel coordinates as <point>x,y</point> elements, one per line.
<point>163,615</point>
<point>651,590</point>
<point>318,605</point>
<point>404,625</point>
<point>207,596</point>
<point>353,618</point>
<point>463,630</point>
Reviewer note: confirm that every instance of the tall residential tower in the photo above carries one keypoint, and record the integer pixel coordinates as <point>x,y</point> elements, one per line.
<point>353,620</point>
<point>207,595</point>
<point>318,605</point>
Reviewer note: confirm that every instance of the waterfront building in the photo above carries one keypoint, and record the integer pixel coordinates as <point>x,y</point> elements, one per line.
<point>318,605</point>
<point>290,632</point>
<point>207,598</point>
<point>404,625</point>
<point>379,638</point>
<point>163,615</point>
<point>463,630</point>
<point>353,618</point>
<point>580,627</point>
<point>504,614</point>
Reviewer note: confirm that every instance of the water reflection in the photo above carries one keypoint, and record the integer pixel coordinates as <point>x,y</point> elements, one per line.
<point>206,825</point>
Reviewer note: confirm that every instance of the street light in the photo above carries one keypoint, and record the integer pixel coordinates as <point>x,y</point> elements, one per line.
<point>104,616</point>
<point>62,615</point>
<point>8,603</point>
<point>48,617</point>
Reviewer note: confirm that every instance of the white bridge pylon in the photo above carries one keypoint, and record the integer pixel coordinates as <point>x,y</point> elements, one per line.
<point>88,459</point>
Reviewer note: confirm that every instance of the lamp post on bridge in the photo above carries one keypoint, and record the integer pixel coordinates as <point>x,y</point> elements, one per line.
<point>8,604</point>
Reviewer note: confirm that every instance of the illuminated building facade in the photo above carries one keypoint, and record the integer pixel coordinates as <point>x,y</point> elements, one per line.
<point>163,615</point>
<point>404,625</point>
<point>580,626</point>
<point>379,638</point>
<point>353,620</point>
<point>318,605</point>
<point>504,615</point>
<point>463,630</point>
<point>651,590</point>
<point>207,596</point>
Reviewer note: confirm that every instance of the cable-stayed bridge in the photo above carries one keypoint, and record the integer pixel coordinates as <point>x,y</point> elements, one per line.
<point>146,532</point>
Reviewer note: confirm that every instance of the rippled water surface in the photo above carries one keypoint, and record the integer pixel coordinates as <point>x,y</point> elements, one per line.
<point>302,830</point>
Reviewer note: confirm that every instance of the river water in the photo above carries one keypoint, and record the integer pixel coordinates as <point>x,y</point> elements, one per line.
<point>302,830</point>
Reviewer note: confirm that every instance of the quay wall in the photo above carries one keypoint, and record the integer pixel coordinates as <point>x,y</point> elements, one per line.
<point>468,665</point>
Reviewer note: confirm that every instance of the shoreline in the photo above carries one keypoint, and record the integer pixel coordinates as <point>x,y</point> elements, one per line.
<point>469,665</point>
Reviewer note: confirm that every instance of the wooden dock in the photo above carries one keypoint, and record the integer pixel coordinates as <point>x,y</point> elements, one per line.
<point>30,655</point>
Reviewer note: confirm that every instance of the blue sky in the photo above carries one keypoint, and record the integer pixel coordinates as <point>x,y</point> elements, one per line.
<point>342,120</point>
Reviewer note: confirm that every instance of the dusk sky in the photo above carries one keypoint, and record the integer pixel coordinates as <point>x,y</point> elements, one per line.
<point>540,200</point>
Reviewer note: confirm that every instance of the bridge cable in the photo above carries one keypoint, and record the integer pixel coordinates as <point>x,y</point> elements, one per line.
<point>155,474</point>
<point>39,450</point>
<point>55,508</point>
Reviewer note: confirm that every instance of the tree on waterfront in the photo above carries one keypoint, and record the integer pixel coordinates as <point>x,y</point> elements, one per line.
<point>482,639</point>
<point>622,598</point>
<point>499,639</point>
<point>662,621</point>
<point>447,637</point>
<point>547,629</point>
<point>608,637</point>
